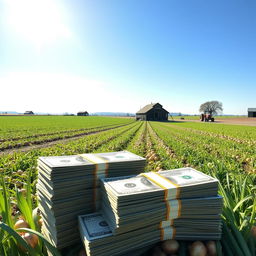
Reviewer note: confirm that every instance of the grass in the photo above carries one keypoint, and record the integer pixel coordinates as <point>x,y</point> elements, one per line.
<point>11,241</point>
<point>225,151</point>
<point>15,126</point>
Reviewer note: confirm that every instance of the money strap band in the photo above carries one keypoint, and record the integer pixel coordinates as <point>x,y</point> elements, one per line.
<point>100,171</point>
<point>171,191</point>
<point>166,223</point>
<point>101,165</point>
<point>175,209</point>
<point>167,233</point>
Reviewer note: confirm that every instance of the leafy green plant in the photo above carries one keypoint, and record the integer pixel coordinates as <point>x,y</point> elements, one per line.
<point>225,151</point>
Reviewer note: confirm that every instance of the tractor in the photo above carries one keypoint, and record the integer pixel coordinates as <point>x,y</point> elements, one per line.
<point>206,118</point>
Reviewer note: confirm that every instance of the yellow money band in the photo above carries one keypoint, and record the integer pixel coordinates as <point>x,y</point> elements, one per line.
<point>86,157</point>
<point>176,185</point>
<point>165,191</point>
<point>95,172</point>
<point>167,233</point>
<point>166,223</point>
<point>154,181</point>
<point>176,212</point>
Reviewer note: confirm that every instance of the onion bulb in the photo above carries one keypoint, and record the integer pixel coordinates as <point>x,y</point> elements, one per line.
<point>31,239</point>
<point>21,224</point>
<point>211,248</point>
<point>198,249</point>
<point>151,158</point>
<point>40,222</point>
<point>19,172</point>
<point>170,246</point>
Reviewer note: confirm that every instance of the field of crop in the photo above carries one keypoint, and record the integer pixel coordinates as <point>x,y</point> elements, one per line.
<point>225,151</point>
<point>16,132</point>
<point>197,117</point>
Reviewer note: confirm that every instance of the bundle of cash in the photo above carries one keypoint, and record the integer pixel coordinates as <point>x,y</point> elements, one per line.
<point>140,210</point>
<point>69,186</point>
<point>173,198</point>
<point>98,238</point>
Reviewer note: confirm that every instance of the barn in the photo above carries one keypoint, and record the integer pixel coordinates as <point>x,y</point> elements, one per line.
<point>251,112</point>
<point>83,113</point>
<point>152,112</point>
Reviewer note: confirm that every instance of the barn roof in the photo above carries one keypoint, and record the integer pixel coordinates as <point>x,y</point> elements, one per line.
<point>82,112</point>
<point>148,108</point>
<point>251,109</point>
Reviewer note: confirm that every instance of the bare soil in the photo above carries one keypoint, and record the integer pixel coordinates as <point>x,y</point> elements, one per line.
<point>240,121</point>
<point>44,145</point>
<point>249,121</point>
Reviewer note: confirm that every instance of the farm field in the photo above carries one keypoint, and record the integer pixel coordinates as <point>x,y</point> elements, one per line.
<point>225,151</point>
<point>232,120</point>
<point>20,131</point>
<point>197,117</point>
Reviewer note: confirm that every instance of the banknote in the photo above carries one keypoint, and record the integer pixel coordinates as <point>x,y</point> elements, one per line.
<point>64,161</point>
<point>168,199</point>
<point>69,185</point>
<point>94,226</point>
<point>99,240</point>
<point>88,159</point>
<point>151,182</point>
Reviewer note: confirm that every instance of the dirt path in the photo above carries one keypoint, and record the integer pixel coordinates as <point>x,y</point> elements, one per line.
<point>236,121</point>
<point>48,144</point>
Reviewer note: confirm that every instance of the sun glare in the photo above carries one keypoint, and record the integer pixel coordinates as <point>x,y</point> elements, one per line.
<point>41,22</point>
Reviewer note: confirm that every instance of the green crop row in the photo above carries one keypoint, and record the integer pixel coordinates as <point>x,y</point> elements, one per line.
<point>234,131</point>
<point>41,139</point>
<point>166,146</point>
<point>22,127</point>
<point>178,148</point>
<point>18,168</point>
<point>229,154</point>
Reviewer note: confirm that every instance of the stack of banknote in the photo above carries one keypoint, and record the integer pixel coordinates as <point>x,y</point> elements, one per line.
<point>154,197</point>
<point>69,186</point>
<point>178,204</point>
<point>98,238</point>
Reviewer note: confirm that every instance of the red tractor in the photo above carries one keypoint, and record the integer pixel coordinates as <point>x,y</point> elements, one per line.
<point>206,118</point>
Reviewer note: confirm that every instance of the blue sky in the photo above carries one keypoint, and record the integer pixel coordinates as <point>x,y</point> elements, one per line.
<point>59,56</point>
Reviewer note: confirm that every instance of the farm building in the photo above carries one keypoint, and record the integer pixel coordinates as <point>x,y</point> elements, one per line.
<point>152,112</point>
<point>251,112</point>
<point>29,113</point>
<point>83,113</point>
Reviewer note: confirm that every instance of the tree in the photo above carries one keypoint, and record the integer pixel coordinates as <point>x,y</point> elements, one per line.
<point>211,107</point>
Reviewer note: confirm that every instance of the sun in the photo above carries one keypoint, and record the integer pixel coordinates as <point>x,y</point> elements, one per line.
<point>40,22</point>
